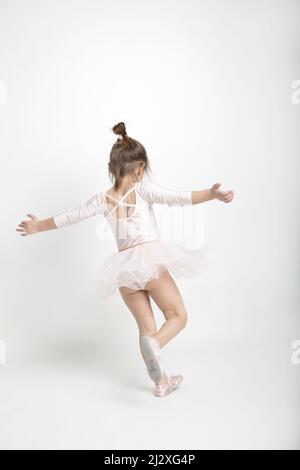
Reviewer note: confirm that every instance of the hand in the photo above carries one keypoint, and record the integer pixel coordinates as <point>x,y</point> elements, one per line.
<point>29,227</point>
<point>225,196</point>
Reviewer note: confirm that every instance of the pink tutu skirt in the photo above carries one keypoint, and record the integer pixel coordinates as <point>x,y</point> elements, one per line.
<point>136,266</point>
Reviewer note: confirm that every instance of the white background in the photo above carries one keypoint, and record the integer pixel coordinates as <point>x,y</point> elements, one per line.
<point>206,86</point>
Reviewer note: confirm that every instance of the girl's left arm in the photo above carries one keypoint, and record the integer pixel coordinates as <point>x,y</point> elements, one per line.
<point>155,193</point>
<point>213,193</point>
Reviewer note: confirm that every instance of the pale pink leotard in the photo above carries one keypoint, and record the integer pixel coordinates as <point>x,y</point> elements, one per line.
<point>141,225</point>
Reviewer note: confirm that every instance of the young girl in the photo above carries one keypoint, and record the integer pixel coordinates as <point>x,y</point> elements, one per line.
<point>143,266</point>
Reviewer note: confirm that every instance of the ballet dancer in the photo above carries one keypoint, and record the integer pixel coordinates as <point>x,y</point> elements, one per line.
<point>145,265</point>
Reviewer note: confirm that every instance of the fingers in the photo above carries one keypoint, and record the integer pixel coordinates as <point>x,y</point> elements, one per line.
<point>27,227</point>
<point>22,230</point>
<point>227,196</point>
<point>24,225</point>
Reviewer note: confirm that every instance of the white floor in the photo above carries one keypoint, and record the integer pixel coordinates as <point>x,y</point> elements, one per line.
<point>79,396</point>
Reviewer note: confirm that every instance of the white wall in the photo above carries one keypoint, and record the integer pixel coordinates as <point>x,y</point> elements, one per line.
<point>206,86</point>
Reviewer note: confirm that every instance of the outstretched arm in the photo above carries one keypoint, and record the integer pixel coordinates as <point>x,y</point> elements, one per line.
<point>93,206</point>
<point>29,227</point>
<point>155,193</point>
<point>213,193</point>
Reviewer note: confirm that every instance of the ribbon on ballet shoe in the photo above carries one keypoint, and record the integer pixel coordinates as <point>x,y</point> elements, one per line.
<point>151,353</point>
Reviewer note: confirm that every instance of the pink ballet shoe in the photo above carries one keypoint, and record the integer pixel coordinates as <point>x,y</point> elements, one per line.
<point>151,353</point>
<point>162,390</point>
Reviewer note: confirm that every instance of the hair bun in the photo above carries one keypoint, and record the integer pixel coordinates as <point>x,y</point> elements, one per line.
<point>120,129</point>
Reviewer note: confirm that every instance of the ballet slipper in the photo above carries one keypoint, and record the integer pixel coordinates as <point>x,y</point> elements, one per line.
<point>162,390</point>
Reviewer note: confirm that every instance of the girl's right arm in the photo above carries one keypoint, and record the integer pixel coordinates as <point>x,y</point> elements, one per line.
<point>93,206</point>
<point>46,224</point>
<point>29,227</point>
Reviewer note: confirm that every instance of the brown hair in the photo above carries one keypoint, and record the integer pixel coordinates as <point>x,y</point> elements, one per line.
<point>126,155</point>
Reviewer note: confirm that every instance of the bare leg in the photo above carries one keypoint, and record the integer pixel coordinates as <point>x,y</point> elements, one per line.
<point>167,297</point>
<point>138,302</point>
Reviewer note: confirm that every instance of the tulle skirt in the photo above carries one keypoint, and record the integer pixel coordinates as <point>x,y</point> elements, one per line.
<point>136,266</point>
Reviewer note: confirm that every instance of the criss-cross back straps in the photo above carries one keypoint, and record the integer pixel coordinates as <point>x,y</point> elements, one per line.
<point>120,201</point>
<point>117,200</point>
